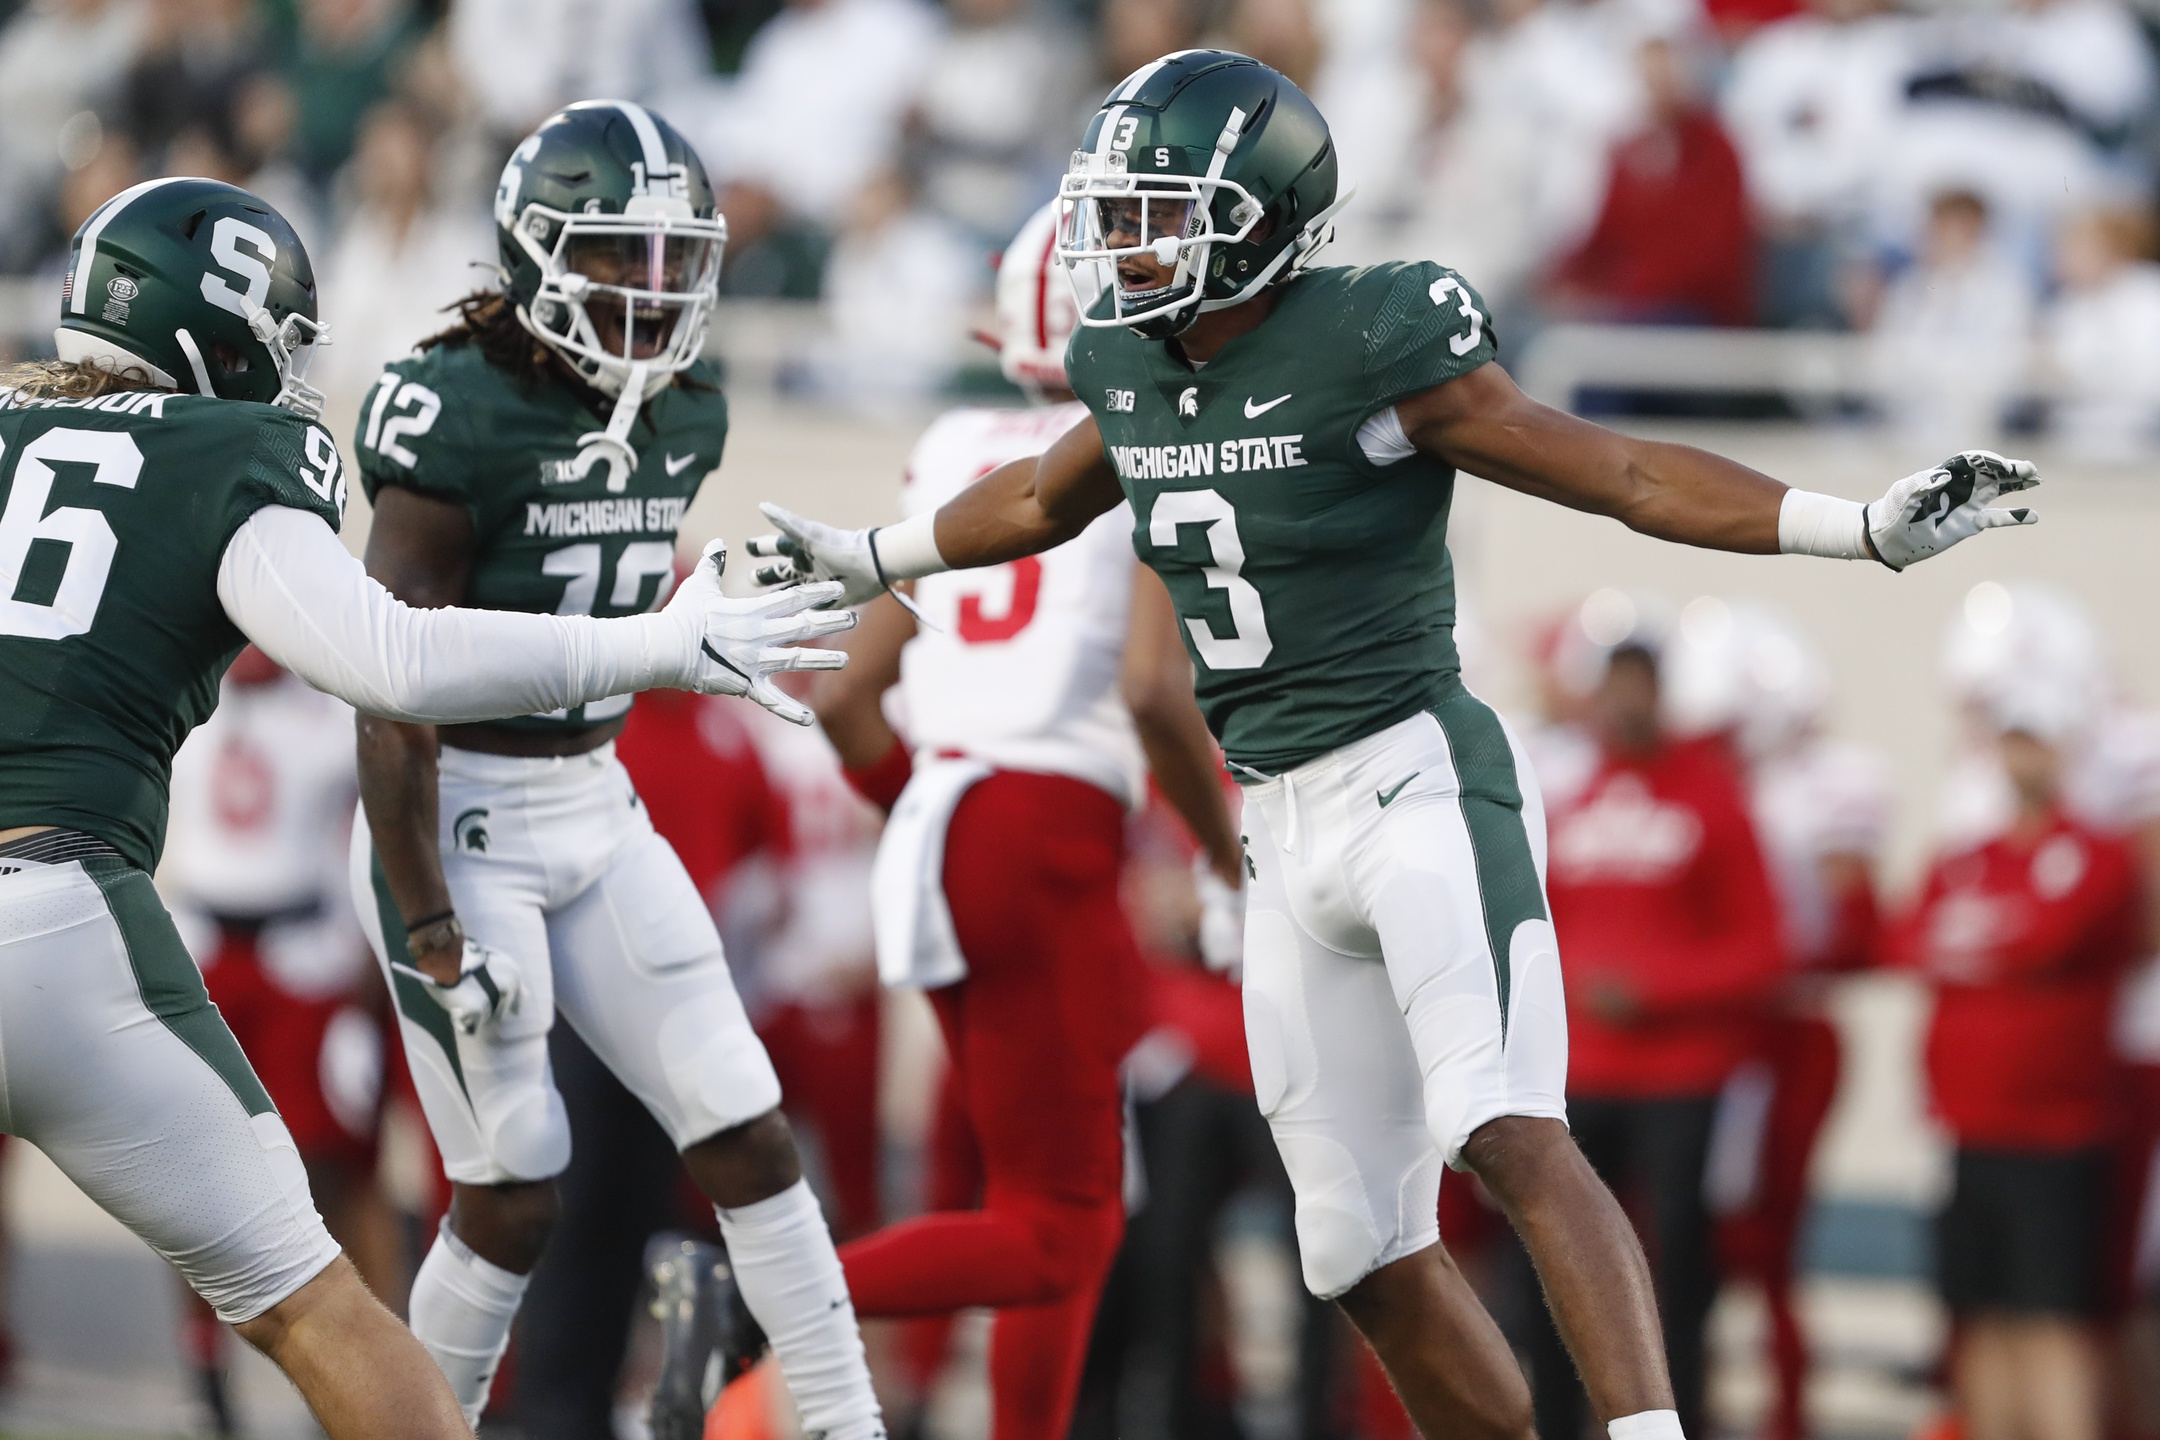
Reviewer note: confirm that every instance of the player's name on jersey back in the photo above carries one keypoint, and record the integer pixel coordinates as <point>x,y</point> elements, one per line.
<point>119,402</point>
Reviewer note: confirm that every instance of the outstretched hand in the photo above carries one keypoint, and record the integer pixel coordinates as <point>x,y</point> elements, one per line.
<point>743,643</point>
<point>810,550</point>
<point>1927,513</point>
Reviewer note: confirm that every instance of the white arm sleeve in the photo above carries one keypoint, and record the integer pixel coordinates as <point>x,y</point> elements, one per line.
<point>294,590</point>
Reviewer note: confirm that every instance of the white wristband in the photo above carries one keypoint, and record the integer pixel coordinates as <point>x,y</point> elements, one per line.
<point>908,550</point>
<point>1811,524</point>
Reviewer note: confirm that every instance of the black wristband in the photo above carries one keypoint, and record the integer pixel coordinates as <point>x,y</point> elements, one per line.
<point>426,920</point>
<point>877,566</point>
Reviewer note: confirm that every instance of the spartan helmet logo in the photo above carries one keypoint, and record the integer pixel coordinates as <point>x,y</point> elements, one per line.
<point>470,830</point>
<point>1188,404</point>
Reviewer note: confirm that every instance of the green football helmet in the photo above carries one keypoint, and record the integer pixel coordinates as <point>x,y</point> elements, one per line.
<point>609,245</point>
<point>1207,159</point>
<point>198,285</point>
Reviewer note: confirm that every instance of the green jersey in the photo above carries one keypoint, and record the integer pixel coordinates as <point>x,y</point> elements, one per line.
<point>552,533</point>
<point>114,517</point>
<point>1313,579</point>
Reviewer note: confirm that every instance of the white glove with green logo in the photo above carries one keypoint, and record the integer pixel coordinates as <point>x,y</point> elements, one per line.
<point>488,988</point>
<point>1924,514</point>
<point>866,563</point>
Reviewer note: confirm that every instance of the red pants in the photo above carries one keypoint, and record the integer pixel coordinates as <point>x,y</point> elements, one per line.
<point>1762,1242</point>
<point>1051,1003</point>
<point>284,1037</point>
<point>827,1059</point>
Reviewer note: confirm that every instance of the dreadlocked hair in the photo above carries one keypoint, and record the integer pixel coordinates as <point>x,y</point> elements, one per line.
<point>487,319</point>
<point>69,380</point>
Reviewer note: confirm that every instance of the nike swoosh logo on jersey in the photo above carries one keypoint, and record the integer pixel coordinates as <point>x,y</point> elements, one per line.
<point>1254,412</point>
<point>1387,795</point>
<point>675,463</point>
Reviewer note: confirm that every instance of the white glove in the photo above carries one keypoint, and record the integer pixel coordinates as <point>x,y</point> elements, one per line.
<point>866,562</point>
<point>1927,513</point>
<point>739,641</point>
<point>488,988</point>
<point>1222,920</point>
<point>812,550</point>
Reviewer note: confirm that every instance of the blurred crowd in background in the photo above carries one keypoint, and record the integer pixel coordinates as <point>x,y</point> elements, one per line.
<point>1971,181</point>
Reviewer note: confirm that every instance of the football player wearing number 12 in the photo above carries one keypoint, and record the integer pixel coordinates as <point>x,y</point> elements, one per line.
<point>539,456</point>
<point>1288,439</point>
<point>165,498</point>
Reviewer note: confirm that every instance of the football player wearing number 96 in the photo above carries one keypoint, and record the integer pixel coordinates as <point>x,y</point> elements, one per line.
<point>165,497</point>
<point>1288,438</point>
<point>539,456</point>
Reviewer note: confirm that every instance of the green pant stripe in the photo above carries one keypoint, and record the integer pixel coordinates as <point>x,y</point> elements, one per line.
<point>1492,803</point>
<point>413,1001</point>
<point>169,982</point>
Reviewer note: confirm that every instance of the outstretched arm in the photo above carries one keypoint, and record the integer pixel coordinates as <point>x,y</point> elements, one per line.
<point>1029,506</point>
<point>1482,423</point>
<point>292,588</point>
<point>1021,508</point>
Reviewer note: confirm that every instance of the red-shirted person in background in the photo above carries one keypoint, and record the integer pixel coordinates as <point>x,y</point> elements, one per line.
<point>1672,241</point>
<point>1821,806</point>
<point>2026,937</point>
<point>1666,916</point>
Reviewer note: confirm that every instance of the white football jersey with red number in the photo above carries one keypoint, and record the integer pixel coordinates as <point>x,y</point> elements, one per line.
<point>262,808</point>
<point>1019,663</point>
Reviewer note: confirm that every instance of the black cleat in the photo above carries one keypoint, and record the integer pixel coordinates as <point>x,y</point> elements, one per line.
<point>708,1337</point>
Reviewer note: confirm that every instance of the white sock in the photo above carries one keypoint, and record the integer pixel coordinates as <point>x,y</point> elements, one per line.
<point>790,1278</point>
<point>1647,1425</point>
<point>462,1307</point>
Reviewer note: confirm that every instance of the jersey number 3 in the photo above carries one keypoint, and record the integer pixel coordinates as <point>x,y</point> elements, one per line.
<point>1248,645</point>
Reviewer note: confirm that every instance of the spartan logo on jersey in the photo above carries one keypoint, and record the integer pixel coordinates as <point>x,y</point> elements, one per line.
<point>1185,397</point>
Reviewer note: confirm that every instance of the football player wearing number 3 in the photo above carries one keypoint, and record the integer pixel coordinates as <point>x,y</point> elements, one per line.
<point>165,497</point>
<point>1038,699</point>
<point>539,456</point>
<point>1288,439</point>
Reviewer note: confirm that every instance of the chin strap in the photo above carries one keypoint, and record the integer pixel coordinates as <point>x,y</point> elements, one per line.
<point>612,445</point>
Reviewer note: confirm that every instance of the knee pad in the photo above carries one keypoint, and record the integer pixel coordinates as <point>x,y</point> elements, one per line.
<point>716,1071</point>
<point>529,1138</point>
<point>1351,1220</point>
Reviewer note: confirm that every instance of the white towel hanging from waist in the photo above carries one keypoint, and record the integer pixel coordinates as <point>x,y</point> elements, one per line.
<point>916,943</point>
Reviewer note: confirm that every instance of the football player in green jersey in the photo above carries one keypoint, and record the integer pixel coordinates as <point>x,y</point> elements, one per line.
<point>1288,437</point>
<point>165,497</point>
<point>539,456</point>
